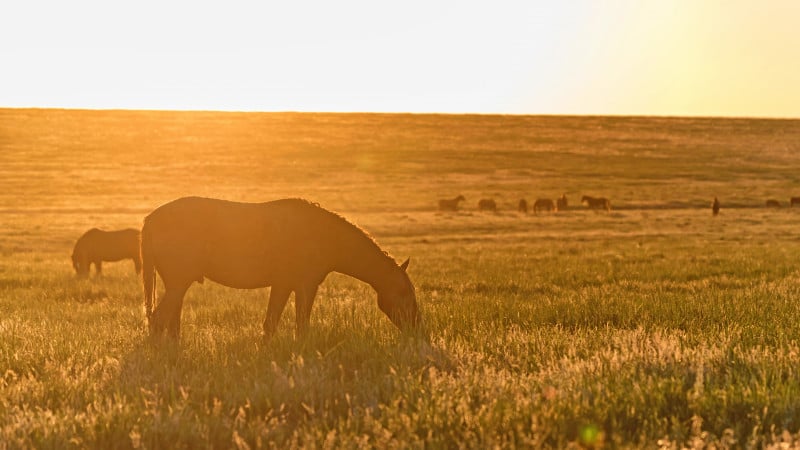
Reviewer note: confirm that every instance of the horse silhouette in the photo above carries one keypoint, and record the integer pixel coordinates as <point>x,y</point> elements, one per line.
<point>96,246</point>
<point>596,202</point>
<point>561,203</point>
<point>772,203</point>
<point>450,204</point>
<point>544,204</point>
<point>487,204</point>
<point>793,201</point>
<point>523,206</point>
<point>290,245</point>
<point>715,206</point>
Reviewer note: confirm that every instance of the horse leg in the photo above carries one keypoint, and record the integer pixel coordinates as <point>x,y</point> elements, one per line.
<point>137,264</point>
<point>278,296</point>
<point>167,315</point>
<point>174,324</point>
<point>156,319</point>
<point>99,266</point>
<point>303,301</point>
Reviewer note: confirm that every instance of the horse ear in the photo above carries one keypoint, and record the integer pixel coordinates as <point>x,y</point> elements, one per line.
<point>404,266</point>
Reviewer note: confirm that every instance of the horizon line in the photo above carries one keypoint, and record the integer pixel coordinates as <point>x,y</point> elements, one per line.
<point>414,113</point>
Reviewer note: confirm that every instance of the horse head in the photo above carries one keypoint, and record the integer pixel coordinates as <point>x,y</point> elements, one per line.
<point>81,265</point>
<point>397,299</point>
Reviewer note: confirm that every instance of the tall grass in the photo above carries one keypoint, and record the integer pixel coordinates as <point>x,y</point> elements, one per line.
<point>655,325</point>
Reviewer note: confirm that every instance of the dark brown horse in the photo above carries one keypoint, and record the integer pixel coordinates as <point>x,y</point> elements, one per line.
<point>487,204</point>
<point>772,203</point>
<point>715,206</point>
<point>523,206</point>
<point>450,204</point>
<point>96,246</point>
<point>793,201</point>
<point>596,202</point>
<point>543,204</point>
<point>290,244</point>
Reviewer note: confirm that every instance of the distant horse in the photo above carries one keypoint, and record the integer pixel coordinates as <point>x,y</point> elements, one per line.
<point>290,244</point>
<point>487,204</point>
<point>561,202</point>
<point>544,204</point>
<point>771,203</point>
<point>523,206</point>
<point>715,206</point>
<point>96,246</point>
<point>450,204</point>
<point>596,202</point>
<point>793,201</point>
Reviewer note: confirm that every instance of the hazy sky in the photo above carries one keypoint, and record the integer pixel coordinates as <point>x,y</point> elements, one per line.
<point>672,57</point>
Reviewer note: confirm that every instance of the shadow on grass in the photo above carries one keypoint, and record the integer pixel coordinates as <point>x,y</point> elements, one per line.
<point>325,370</point>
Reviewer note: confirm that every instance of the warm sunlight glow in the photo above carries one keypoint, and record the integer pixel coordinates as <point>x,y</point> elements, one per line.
<point>731,58</point>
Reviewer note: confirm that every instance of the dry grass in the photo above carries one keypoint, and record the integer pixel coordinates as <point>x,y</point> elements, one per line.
<point>654,325</point>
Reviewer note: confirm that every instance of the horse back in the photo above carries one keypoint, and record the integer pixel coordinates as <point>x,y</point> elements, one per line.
<point>103,245</point>
<point>243,245</point>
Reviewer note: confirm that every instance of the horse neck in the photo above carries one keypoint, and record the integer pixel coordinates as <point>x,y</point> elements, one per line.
<point>360,258</point>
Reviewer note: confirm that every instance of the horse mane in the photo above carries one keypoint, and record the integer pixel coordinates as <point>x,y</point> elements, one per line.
<point>341,220</point>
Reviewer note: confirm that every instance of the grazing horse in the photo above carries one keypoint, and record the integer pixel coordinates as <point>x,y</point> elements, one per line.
<point>487,204</point>
<point>544,204</point>
<point>290,245</point>
<point>561,202</point>
<point>450,204</point>
<point>715,206</point>
<point>772,203</point>
<point>96,246</point>
<point>523,206</point>
<point>793,201</point>
<point>596,202</point>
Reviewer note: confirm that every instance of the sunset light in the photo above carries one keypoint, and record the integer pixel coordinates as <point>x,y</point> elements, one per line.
<point>719,58</point>
<point>399,225</point>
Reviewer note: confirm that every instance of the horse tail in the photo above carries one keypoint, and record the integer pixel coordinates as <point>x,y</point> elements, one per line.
<point>148,269</point>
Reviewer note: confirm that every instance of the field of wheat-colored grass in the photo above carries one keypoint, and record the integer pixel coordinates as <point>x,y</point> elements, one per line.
<point>652,325</point>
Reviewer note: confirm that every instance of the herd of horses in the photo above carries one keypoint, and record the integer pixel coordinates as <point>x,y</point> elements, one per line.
<point>290,245</point>
<point>541,204</point>
<point>771,203</point>
<point>560,204</point>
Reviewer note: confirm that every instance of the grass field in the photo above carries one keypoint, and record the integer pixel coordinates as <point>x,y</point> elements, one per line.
<point>654,325</point>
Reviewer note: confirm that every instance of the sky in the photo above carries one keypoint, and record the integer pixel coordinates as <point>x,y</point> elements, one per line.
<point>678,57</point>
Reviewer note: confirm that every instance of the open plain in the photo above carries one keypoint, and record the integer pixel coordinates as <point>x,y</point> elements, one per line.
<point>652,325</point>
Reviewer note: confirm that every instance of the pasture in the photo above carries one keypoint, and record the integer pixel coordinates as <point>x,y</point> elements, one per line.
<point>652,325</point>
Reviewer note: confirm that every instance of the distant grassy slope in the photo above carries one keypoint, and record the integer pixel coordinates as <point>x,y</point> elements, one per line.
<point>95,159</point>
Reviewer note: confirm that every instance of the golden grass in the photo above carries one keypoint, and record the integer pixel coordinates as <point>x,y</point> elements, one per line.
<point>652,325</point>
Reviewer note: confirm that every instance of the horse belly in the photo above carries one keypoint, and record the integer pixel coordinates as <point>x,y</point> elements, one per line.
<point>112,254</point>
<point>247,267</point>
<point>240,276</point>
